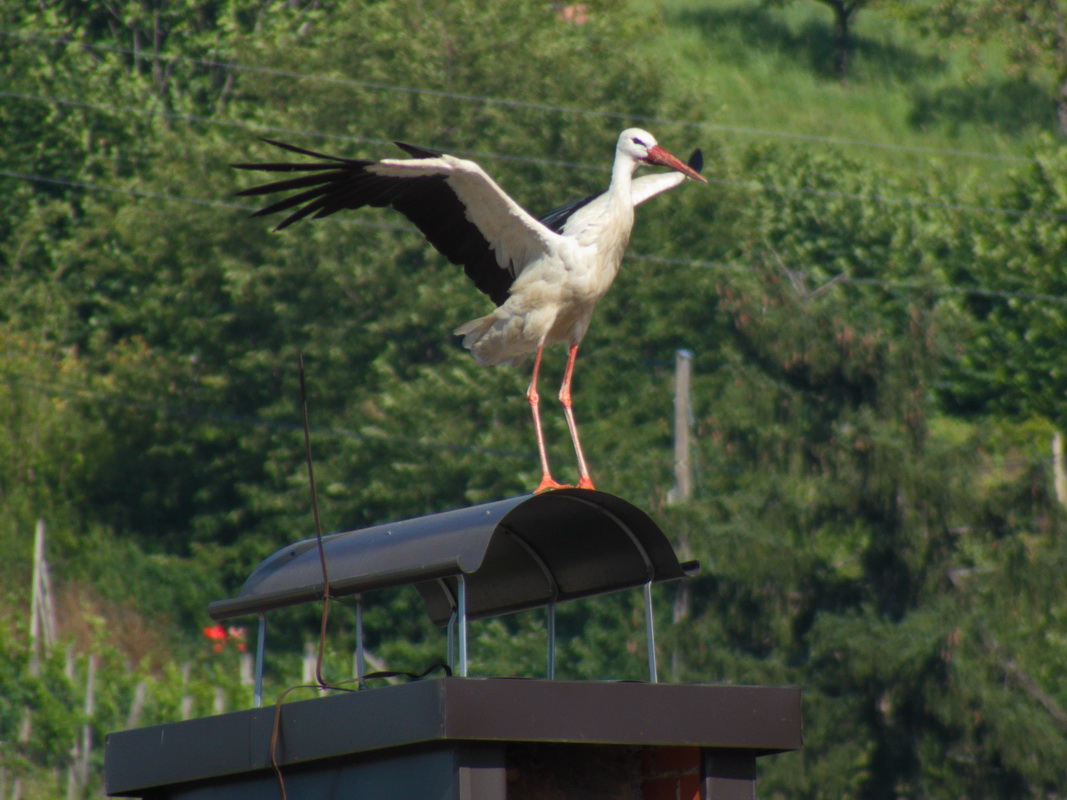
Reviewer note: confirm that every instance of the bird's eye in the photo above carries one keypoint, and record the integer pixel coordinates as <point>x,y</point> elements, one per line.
<point>638,142</point>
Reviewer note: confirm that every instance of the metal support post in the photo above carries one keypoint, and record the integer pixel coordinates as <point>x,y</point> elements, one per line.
<point>650,635</point>
<point>360,665</point>
<point>551,670</point>
<point>452,642</point>
<point>461,608</point>
<point>261,644</point>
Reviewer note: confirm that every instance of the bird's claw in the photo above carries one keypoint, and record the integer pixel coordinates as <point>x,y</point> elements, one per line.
<point>547,484</point>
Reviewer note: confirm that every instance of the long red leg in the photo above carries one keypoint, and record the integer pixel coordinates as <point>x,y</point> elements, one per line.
<point>584,481</point>
<point>534,399</point>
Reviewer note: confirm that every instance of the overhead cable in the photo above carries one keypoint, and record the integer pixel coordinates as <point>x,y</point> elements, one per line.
<point>547,107</point>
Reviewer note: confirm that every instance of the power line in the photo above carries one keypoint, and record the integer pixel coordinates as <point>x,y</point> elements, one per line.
<point>135,192</point>
<point>975,291</point>
<point>226,419</point>
<point>894,285</point>
<point>750,185</point>
<point>878,198</point>
<point>230,419</point>
<point>546,107</point>
<point>274,129</point>
<point>155,112</point>
<point>177,198</point>
<point>282,73</point>
<point>840,141</point>
<point>965,290</point>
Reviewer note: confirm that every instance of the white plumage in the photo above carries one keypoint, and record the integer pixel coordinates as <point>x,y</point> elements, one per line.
<point>546,276</point>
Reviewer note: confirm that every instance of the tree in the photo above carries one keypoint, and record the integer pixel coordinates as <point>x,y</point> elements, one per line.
<point>844,12</point>
<point>193,316</point>
<point>859,534</point>
<point>1011,360</point>
<point>838,520</point>
<point>1033,34</point>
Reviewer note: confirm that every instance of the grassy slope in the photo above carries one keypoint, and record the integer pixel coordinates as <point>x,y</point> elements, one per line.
<point>906,97</point>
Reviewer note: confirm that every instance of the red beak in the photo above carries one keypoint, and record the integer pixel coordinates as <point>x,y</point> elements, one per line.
<point>660,157</point>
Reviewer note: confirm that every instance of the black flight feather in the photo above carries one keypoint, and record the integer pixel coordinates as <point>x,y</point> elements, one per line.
<point>427,201</point>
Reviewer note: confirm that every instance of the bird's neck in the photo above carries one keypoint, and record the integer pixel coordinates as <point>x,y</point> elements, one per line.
<point>622,174</point>
<point>612,229</point>
<point>620,199</point>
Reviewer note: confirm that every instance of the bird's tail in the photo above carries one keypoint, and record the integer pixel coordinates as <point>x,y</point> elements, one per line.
<point>483,338</point>
<point>472,332</point>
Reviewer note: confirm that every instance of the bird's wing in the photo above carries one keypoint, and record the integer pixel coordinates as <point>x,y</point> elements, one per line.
<point>641,189</point>
<point>457,206</point>
<point>557,218</point>
<point>648,186</point>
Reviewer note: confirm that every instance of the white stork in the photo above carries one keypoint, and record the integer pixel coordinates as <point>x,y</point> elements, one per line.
<point>545,276</point>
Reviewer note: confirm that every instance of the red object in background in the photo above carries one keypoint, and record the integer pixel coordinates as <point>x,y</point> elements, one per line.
<point>220,635</point>
<point>217,634</point>
<point>575,13</point>
<point>238,635</point>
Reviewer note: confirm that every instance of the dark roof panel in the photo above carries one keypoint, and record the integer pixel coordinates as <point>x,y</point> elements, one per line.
<point>519,553</point>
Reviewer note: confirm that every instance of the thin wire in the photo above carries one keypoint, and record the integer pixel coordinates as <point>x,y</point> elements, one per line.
<point>155,112</point>
<point>834,140</point>
<point>742,184</point>
<point>233,419</point>
<point>845,278</point>
<point>965,290</point>
<point>116,190</point>
<point>547,107</point>
<point>306,425</point>
<point>878,198</point>
<point>223,419</point>
<point>977,291</point>
<point>282,73</point>
<point>264,128</point>
<point>749,185</point>
<point>193,200</point>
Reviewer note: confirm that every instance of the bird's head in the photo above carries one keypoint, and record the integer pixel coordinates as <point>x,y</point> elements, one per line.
<point>640,146</point>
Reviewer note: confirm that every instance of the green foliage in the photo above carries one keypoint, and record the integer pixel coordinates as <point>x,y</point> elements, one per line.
<point>1012,365</point>
<point>1032,36</point>
<point>876,366</point>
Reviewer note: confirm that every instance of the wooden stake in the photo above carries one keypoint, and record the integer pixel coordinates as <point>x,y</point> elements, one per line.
<point>35,598</point>
<point>87,730</point>
<point>47,609</point>
<point>245,671</point>
<point>42,614</point>
<point>307,671</point>
<point>1059,471</point>
<point>137,706</point>
<point>683,479</point>
<point>683,471</point>
<point>185,708</point>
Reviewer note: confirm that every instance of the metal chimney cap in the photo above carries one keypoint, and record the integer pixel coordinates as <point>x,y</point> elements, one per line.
<point>519,553</point>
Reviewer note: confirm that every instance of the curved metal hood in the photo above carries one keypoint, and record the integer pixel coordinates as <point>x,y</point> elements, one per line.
<point>515,554</point>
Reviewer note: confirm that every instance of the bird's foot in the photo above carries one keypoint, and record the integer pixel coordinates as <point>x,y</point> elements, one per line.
<point>547,484</point>
<point>585,483</point>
